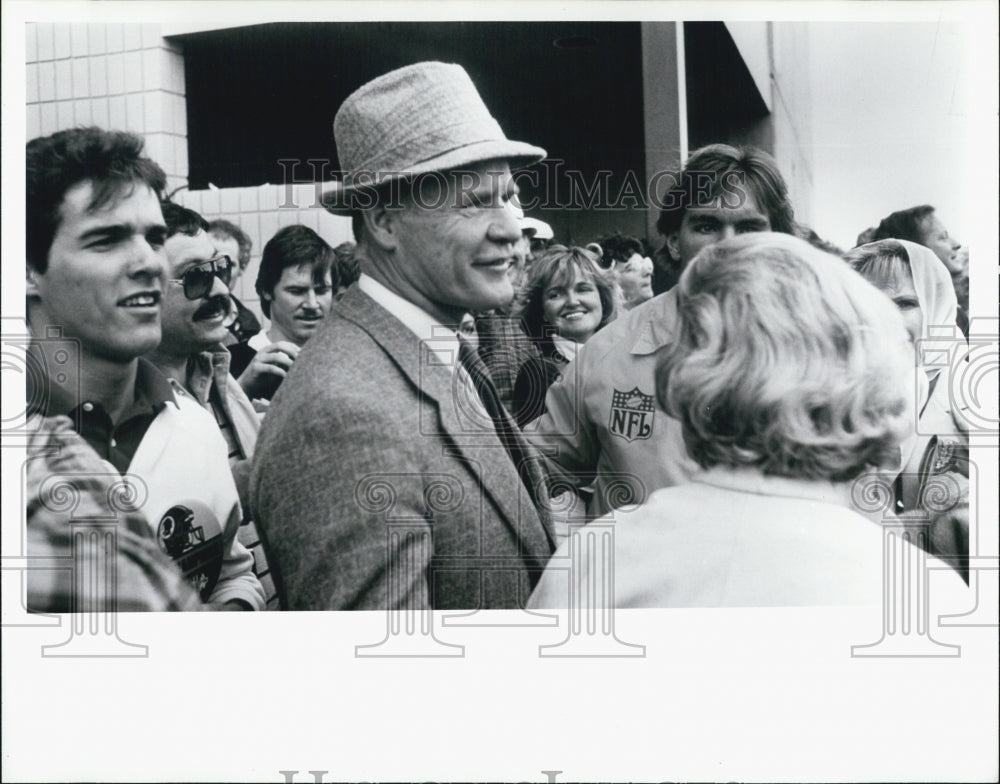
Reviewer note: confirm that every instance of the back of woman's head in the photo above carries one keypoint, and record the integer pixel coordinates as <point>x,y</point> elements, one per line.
<point>557,266</point>
<point>786,361</point>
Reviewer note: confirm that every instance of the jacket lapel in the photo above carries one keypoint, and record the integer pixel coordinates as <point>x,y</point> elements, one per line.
<point>474,440</point>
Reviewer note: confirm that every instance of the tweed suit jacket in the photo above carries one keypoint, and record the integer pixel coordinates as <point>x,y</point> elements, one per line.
<point>377,489</point>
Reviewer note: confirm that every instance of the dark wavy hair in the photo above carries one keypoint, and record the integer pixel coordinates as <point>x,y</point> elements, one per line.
<point>722,168</point>
<point>181,220</point>
<point>904,225</point>
<point>112,161</point>
<point>294,246</point>
<point>619,248</point>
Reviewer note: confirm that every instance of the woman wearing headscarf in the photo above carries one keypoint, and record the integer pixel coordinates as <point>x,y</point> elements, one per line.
<point>934,468</point>
<point>789,376</point>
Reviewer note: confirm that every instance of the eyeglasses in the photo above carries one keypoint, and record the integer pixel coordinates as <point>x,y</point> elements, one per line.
<point>199,279</point>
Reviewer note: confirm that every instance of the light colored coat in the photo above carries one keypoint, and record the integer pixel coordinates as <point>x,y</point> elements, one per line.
<point>736,538</point>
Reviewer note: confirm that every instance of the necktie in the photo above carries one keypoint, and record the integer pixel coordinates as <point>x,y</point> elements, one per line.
<point>529,467</point>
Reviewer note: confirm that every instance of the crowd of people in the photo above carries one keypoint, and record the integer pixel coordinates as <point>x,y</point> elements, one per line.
<point>406,430</point>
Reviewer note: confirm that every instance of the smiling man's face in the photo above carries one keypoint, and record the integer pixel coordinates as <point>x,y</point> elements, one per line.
<point>192,325</point>
<point>105,273</point>
<point>454,241</point>
<point>299,303</point>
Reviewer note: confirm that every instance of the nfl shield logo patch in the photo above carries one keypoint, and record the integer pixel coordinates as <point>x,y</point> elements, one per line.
<point>631,414</point>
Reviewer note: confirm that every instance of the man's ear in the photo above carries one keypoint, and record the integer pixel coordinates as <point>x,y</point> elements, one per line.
<point>31,281</point>
<point>673,246</point>
<point>380,226</point>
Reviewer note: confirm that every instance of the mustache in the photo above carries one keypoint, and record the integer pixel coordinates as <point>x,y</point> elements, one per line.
<point>212,307</point>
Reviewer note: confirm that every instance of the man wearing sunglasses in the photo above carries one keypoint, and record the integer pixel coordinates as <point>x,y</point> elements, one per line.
<point>196,314</point>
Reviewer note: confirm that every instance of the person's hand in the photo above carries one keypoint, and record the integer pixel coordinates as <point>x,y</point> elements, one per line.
<point>270,365</point>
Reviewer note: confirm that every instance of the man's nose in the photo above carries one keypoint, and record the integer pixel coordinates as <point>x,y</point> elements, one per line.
<point>219,289</point>
<point>727,233</point>
<point>148,261</point>
<point>505,227</point>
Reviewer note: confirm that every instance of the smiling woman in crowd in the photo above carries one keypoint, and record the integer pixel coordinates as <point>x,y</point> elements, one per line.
<point>790,377</point>
<point>566,299</point>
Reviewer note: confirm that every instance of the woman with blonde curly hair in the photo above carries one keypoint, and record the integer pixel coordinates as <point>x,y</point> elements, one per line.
<point>790,379</point>
<point>565,300</point>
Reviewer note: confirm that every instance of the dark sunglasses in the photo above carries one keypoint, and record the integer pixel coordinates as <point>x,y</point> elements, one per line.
<point>199,279</point>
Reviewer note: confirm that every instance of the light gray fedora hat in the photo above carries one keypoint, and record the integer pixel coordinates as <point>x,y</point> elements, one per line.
<point>421,118</point>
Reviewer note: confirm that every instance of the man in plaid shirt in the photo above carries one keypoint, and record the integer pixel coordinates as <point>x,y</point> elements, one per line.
<point>61,464</point>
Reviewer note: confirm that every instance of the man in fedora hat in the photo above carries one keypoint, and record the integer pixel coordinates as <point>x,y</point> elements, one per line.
<point>387,475</point>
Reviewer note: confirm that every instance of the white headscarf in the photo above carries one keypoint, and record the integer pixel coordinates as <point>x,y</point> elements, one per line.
<point>938,306</point>
<point>936,294</point>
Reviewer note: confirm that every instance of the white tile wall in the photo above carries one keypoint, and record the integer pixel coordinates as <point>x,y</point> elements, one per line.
<point>97,39</point>
<point>79,44</point>
<point>98,75</point>
<point>31,88</point>
<point>62,48</point>
<point>49,121</point>
<point>132,37</point>
<point>112,75</point>
<point>115,38</point>
<point>64,80</point>
<point>81,77</point>
<point>30,43</point>
<point>33,125</point>
<point>46,41</point>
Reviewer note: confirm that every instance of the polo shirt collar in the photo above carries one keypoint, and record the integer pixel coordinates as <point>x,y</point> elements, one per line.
<point>151,389</point>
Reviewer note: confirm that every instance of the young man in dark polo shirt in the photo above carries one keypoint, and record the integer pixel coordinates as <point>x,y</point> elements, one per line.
<point>95,277</point>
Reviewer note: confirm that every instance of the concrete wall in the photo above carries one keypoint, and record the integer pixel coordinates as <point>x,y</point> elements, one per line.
<point>791,112</point>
